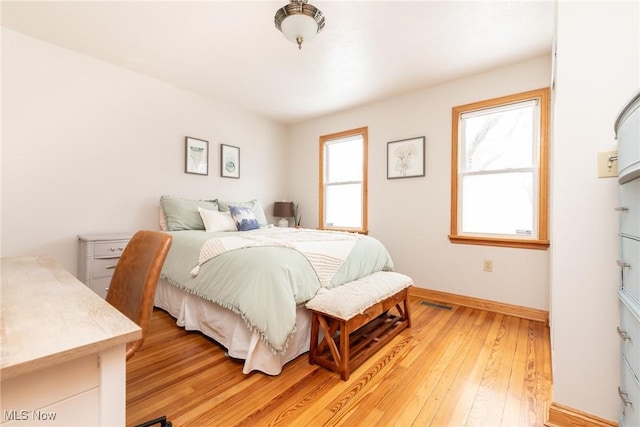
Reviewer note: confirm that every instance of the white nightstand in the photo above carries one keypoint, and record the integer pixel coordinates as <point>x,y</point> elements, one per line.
<point>98,255</point>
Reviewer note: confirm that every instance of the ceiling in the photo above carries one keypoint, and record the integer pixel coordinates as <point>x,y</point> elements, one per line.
<point>230,51</point>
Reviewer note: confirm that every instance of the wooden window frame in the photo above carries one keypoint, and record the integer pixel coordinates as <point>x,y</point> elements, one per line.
<point>323,139</point>
<point>542,240</point>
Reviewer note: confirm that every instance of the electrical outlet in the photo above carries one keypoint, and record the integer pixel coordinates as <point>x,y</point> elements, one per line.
<point>487,265</point>
<point>608,164</point>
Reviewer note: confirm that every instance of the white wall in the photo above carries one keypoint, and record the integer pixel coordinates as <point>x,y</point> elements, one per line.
<point>88,147</point>
<point>597,72</point>
<point>411,216</point>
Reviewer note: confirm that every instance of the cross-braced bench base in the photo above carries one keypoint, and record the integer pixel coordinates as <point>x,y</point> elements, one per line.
<point>347,343</point>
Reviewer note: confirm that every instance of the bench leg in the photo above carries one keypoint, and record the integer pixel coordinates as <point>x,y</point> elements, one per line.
<point>344,351</point>
<point>313,345</point>
<point>328,339</point>
<point>403,308</point>
<point>407,310</point>
<point>329,328</point>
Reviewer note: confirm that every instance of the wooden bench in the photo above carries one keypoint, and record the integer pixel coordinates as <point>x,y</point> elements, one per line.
<point>356,320</point>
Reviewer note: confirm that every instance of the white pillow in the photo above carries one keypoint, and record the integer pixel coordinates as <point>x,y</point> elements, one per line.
<point>217,221</point>
<point>163,221</point>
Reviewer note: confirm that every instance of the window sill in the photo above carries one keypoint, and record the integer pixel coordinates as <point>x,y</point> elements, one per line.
<point>349,230</point>
<point>509,243</point>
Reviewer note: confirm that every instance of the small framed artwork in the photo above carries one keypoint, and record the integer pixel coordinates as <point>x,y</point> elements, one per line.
<point>196,156</point>
<point>229,161</point>
<point>405,158</point>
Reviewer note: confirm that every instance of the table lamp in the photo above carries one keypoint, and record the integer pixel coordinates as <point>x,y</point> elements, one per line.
<point>284,211</point>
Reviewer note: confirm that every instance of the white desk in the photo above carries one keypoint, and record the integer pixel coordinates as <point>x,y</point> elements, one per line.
<point>62,349</point>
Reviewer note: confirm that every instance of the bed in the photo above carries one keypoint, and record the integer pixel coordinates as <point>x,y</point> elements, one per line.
<point>246,288</point>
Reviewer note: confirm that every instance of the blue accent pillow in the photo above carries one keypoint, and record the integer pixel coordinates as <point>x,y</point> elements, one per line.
<point>254,205</point>
<point>244,218</point>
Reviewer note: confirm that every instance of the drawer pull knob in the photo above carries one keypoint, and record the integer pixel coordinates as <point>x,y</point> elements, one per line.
<point>623,334</point>
<point>621,209</point>
<point>624,396</point>
<point>110,267</point>
<point>623,264</point>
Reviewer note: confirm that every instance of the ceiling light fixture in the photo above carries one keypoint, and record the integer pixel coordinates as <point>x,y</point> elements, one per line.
<point>299,21</point>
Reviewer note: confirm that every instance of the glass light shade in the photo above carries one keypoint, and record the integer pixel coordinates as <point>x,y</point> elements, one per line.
<point>303,26</point>
<point>299,21</point>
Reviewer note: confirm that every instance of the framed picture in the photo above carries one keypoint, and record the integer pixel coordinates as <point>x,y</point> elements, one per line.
<point>405,158</point>
<point>196,157</point>
<point>229,161</point>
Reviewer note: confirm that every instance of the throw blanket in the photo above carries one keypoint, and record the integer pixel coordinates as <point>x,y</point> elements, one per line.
<point>325,251</point>
<point>264,282</point>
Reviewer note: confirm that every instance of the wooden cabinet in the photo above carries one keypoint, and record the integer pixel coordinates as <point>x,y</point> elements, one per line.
<point>98,255</point>
<point>627,129</point>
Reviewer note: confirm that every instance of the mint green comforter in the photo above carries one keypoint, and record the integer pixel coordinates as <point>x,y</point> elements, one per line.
<point>263,284</point>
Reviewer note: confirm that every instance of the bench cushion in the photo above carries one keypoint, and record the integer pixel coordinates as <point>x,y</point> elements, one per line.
<point>353,298</point>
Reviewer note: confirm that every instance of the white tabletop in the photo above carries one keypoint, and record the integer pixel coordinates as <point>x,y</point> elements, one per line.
<point>47,316</point>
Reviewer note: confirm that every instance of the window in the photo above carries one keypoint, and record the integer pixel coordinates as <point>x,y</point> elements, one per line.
<point>343,181</point>
<point>499,179</point>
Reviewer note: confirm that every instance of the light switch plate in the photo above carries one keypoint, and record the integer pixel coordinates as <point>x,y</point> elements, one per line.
<point>608,164</point>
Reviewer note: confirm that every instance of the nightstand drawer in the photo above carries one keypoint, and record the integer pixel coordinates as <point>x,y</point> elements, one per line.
<point>98,255</point>
<point>629,263</point>
<point>104,267</point>
<point>101,286</point>
<point>630,208</point>
<point>629,333</point>
<point>109,249</point>
<point>629,393</point>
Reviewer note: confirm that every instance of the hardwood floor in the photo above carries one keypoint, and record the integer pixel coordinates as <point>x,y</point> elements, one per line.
<point>458,367</point>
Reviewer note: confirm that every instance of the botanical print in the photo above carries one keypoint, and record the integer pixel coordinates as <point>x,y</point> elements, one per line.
<point>405,155</point>
<point>405,158</point>
<point>196,156</point>
<point>229,161</point>
<point>230,164</point>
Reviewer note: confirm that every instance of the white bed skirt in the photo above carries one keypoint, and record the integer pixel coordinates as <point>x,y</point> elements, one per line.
<point>227,328</point>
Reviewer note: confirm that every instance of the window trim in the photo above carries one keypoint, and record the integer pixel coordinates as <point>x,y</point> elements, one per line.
<point>542,240</point>
<point>323,139</point>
